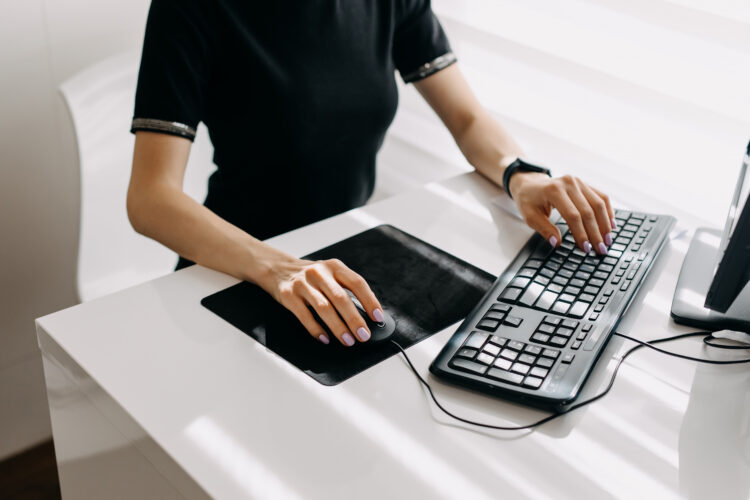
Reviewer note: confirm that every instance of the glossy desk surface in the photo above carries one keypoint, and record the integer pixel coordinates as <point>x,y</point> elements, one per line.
<point>241,422</point>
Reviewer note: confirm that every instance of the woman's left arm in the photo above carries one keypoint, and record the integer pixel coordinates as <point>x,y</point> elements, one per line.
<point>490,149</point>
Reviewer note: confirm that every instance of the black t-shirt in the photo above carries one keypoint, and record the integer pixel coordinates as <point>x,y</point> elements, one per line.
<point>296,94</point>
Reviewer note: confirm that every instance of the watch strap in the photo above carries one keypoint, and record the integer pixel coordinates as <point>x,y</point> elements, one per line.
<point>518,165</point>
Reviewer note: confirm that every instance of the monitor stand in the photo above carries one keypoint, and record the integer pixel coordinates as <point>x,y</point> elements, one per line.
<point>695,279</point>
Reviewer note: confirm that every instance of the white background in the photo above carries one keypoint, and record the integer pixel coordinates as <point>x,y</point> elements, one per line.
<point>653,94</point>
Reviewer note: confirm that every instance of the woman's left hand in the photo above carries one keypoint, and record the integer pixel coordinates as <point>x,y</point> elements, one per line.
<point>586,210</point>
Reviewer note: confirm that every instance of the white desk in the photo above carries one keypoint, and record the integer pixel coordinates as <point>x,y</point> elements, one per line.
<point>153,396</point>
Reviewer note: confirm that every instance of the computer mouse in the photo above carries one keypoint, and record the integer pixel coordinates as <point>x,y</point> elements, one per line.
<point>380,332</point>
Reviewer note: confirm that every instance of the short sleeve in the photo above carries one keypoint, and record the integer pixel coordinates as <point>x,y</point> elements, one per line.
<point>174,69</point>
<point>420,46</point>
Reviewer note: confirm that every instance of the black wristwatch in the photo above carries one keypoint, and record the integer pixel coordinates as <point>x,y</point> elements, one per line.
<point>519,165</point>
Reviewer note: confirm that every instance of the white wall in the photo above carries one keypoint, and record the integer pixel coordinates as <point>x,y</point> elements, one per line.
<point>42,42</point>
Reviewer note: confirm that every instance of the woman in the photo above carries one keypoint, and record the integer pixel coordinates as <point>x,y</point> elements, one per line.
<point>297,97</point>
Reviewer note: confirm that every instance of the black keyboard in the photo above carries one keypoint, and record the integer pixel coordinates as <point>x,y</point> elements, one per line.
<point>536,335</point>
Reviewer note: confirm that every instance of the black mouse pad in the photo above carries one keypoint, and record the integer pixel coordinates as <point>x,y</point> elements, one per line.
<point>423,288</point>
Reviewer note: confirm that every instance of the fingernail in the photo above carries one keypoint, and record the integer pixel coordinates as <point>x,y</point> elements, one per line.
<point>363,334</point>
<point>586,246</point>
<point>347,339</point>
<point>378,315</point>
<point>323,338</point>
<point>614,223</point>
<point>553,241</point>
<point>602,249</point>
<point>608,239</point>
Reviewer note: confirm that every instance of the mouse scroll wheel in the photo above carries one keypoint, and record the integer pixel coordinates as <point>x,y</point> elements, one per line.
<point>381,324</point>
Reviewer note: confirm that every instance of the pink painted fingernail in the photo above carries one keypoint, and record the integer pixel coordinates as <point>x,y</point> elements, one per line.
<point>347,339</point>
<point>323,338</point>
<point>608,239</point>
<point>602,249</point>
<point>586,246</point>
<point>363,334</point>
<point>614,223</point>
<point>378,315</point>
<point>553,241</point>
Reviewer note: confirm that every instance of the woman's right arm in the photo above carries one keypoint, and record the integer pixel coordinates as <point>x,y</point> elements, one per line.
<point>158,208</point>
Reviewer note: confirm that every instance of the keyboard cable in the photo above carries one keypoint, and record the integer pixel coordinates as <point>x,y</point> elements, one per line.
<point>708,339</point>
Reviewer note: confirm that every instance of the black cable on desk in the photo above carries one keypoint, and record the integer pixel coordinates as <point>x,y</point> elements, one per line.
<point>641,344</point>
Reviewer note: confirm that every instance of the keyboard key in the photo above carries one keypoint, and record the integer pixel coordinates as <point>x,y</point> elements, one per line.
<point>466,352</point>
<point>520,282</point>
<point>558,340</point>
<point>554,287</point>
<point>533,350</point>
<point>618,246</point>
<point>526,272</point>
<point>521,368</point>
<point>586,327</point>
<point>591,290</point>
<point>582,276</point>
<point>546,300</point>
<point>569,297</point>
<point>606,268</point>
<point>565,332</point>
<point>559,280</point>
<point>596,282</point>
<point>576,345</point>
<point>545,362</point>
<point>494,315</point>
<point>498,340</point>
<point>586,297</point>
<point>502,375</point>
<point>513,321</point>
<point>599,308</point>
<point>587,268</point>
<point>551,320</point>
<point>578,309</point>
<point>539,371</point>
<point>561,307</point>
<point>601,275</point>
<point>531,294</point>
<point>469,366</point>
<point>526,358</point>
<point>577,282</point>
<point>510,294</point>
<point>565,273</point>
<point>570,323</point>
<point>491,349</point>
<point>567,358</point>
<point>610,260</point>
<point>581,335</point>
<point>503,363</point>
<point>549,273</point>
<point>509,354</point>
<point>544,328</point>
<point>476,340</point>
<point>608,292</point>
<point>485,358</point>
<point>516,345</point>
<point>532,382</point>
<point>533,263</point>
<point>488,325</point>
<point>625,285</point>
<point>542,338</point>
<point>541,280</point>
<point>550,353</point>
<point>594,316</point>
<point>501,308</point>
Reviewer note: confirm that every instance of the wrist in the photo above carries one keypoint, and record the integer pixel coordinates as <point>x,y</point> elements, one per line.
<point>520,179</point>
<point>263,264</point>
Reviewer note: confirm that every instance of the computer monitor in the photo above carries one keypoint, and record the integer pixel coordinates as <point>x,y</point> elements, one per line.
<point>713,290</point>
<point>733,259</point>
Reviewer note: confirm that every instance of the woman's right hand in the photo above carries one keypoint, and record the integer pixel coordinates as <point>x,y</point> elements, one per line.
<point>298,284</point>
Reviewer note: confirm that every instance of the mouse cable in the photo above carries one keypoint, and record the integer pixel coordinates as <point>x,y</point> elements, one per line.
<point>553,416</point>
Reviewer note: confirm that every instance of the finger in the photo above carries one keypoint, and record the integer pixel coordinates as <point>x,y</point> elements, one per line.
<point>327,314</point>
<point>344,306</point>
<point>359,287</point>
<point>610,210</point>
<point>539,222</point>
<point>588,217</point>
<point>303,314</point>
<point>561,201</point>
<point>603,219</point>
